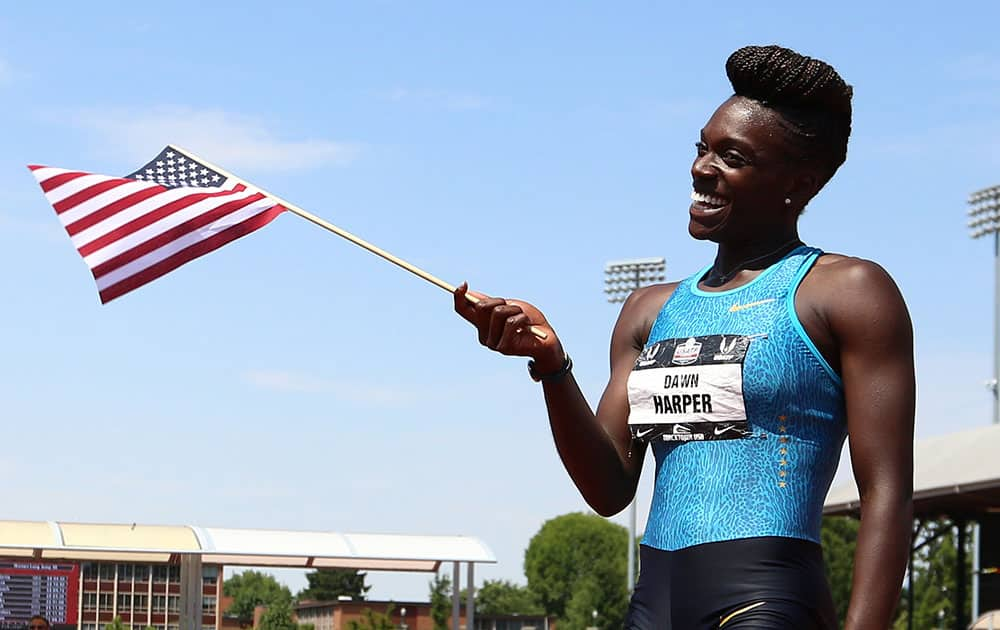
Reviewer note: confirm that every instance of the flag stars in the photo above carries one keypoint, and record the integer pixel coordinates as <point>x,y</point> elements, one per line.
<point>171,169</point>
<point>781,484</point>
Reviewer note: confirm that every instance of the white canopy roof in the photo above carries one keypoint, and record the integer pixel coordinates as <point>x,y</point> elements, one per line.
<point>245,547</point>
<point>954,474</point>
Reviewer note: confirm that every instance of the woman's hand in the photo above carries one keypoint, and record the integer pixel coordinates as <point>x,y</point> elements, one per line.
<point>503,326</point>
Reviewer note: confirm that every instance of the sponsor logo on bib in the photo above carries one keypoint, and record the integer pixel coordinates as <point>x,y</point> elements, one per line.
<point>687,353</point>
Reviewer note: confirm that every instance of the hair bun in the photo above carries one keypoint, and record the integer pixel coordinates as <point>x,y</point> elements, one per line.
<point>780,77</point>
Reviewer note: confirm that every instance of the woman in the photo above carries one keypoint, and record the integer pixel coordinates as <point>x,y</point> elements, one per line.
<point>745,379</point>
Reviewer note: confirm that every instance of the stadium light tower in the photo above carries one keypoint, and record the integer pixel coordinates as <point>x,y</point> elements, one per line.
<point>621,278</point>
<point>984,219</point>
<point>624,276</point>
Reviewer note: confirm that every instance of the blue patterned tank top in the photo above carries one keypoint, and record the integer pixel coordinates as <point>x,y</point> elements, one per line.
<point>745,417</point>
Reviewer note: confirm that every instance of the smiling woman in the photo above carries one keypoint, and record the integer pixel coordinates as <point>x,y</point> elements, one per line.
<point>745,379</point>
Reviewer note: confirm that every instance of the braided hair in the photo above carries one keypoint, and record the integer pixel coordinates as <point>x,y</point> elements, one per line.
<point>812,100</point>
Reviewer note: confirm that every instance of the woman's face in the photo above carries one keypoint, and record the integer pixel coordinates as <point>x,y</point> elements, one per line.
<point>742,175</point>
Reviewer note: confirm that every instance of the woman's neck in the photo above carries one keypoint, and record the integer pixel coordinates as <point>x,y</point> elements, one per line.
<point>732,258</point>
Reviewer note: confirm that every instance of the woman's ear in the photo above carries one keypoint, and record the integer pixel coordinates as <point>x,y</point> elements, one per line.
<point>804,187</point>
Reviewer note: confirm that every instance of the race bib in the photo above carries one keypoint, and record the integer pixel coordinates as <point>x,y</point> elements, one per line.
<point>689,389</point>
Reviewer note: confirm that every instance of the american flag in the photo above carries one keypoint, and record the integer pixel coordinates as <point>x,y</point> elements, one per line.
<point>131,230</point>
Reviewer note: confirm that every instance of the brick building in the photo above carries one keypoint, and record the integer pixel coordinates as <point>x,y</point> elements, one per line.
<point>170,577</point>
<point>143,595</point>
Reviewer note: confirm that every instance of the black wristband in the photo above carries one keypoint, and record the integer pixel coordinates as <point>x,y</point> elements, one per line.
<point>551,376</point>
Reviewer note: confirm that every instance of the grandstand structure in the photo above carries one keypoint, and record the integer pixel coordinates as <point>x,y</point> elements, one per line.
<point>956,477</point>
<point>170,577</point>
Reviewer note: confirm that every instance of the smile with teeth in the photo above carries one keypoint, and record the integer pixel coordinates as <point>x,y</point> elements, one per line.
<point>709,203</point>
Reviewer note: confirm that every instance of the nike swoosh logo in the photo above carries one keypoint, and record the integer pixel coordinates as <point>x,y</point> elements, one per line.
<point>641,434</point>
<point>740,307</point>
<point>720,431</point>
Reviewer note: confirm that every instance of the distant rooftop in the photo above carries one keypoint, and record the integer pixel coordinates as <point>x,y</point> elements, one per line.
<point>957,474</point>
<point>50,540</point>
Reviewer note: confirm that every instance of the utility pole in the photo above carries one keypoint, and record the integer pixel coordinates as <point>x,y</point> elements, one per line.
<point>622,277</point>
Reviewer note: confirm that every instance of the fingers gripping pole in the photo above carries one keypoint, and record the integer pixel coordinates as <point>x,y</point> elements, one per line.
<point>294,209</point>
<point>534,330</point>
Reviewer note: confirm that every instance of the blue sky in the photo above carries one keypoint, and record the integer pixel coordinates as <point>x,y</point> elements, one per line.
<point>293,380</point>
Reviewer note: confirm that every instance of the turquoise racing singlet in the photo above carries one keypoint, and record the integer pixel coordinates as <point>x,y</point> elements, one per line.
<point>745,418</point>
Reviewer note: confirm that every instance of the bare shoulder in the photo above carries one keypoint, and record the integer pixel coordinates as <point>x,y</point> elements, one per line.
<point>652,296</point>
<point>640,311</point>
<point>835,273</point>
<point>851,291</point>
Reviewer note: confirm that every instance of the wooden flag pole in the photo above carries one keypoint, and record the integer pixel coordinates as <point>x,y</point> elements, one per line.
<point>378,251</point>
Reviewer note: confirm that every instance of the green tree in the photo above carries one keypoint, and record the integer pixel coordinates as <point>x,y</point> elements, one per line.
<point>329,584</point>
<point>934,575</point>
<point>440,601</point>
<point>371,620</point>
<point>500,597</point>
<point>839,536</point>
<point>278,616</point>
<point>582,605</point>
<point>251,589</point>
<point>576,564</point>
<point>117,624</point>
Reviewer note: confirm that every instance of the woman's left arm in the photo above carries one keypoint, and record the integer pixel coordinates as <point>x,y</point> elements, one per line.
<point>872,327</point>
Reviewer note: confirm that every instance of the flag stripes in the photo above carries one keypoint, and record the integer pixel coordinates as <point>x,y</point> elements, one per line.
<point>131,232</point>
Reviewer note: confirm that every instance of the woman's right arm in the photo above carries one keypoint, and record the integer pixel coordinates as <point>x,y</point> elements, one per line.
<point>596,449</point>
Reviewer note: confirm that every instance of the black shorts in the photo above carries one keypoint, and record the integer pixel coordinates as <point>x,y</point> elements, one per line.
<point>768,583</point>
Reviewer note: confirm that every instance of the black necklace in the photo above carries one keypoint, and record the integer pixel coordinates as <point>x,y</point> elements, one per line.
<point>716,278</point>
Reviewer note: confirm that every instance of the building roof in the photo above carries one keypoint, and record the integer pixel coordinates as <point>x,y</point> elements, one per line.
<point>957,474</point>
<point>49,540</point>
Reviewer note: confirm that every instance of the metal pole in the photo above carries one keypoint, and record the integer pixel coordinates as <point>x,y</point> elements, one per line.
<point>996,328</point>
<point>470,598</point>
<point>624,277</point>
<point>630,576</point>
<point>960,577</point>
<point>975,572</point>
<point>456,600</point>
<point>984,218</point>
